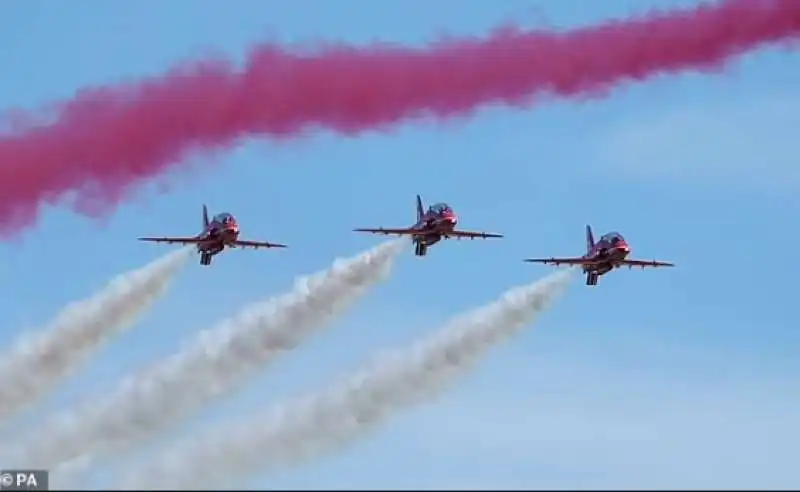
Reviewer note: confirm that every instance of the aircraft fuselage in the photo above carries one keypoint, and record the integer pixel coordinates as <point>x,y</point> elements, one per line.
<point>604,259</point>
<point>432,230</point>
<point>216,239</point>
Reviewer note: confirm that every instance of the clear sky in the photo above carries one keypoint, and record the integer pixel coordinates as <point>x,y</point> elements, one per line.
<point>660,378</point>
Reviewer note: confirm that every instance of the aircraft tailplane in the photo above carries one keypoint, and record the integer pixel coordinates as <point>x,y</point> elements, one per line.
<point>589,238</point>
<point>205,217</point>
<point>420,208</point>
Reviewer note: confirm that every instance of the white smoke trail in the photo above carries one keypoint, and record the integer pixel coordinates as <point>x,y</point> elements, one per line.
<point>37,363</point>
<point>212,366</point>
<point>299,430</point>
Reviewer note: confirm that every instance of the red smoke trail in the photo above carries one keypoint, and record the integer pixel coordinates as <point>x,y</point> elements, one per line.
<point>107,139</point>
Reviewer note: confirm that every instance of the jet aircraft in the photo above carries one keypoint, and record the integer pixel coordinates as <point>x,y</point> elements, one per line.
<point>221,231</point>
<point>439,222</point>
<point>610,252</point>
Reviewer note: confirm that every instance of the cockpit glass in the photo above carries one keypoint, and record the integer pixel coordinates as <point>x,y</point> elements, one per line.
<point>612,238</point>
<point>224,218</point>
<point>440,208</point>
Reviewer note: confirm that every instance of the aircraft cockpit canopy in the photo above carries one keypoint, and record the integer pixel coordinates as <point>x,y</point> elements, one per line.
<point>224,218</point>
<point>440,208</point>
<point>612,238</point>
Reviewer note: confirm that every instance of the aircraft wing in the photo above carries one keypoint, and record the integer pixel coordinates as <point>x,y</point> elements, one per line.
<point>643,263</point>
<point>397,232</point>
<point>172,240</point>
<point>258,244</point>
<point>472,235</point>
<point>586,261</point>
<point>561,261</point>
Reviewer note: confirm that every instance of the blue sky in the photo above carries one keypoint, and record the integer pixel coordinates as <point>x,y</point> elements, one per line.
<point>679,378</point>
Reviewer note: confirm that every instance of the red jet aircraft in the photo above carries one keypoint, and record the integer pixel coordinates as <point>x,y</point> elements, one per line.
<point>438,223</point>
<point>219,232</point>
<point>610,252</point>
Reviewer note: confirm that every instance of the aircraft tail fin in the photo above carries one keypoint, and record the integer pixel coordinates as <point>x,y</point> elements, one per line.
<point>420,208</point>
<point>205,217</point>
<point>589,238</point>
